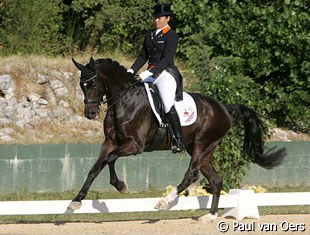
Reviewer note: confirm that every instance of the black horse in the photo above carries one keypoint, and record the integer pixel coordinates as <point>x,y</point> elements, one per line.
<point>130,128</point>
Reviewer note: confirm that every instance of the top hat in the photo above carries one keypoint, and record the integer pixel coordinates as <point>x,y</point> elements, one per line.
<point>162,10</point>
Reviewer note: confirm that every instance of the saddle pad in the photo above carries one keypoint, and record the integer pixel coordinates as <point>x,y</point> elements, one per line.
<point>186,108</point>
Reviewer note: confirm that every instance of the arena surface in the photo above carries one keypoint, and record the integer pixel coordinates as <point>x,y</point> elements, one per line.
<point>271,224</point>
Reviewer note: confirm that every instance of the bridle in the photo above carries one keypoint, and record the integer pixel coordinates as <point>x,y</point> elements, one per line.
<point>99,100</point>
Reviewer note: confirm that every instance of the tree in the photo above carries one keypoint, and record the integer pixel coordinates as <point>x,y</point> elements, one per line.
<point>31,26</point>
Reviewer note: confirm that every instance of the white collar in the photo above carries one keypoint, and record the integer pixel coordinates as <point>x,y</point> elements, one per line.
<point>158,30</point>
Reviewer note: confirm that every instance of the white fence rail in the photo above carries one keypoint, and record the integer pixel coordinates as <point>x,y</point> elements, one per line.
<point>242,203</point>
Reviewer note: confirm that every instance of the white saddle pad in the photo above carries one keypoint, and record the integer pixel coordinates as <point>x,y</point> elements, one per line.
<point>186,108</point>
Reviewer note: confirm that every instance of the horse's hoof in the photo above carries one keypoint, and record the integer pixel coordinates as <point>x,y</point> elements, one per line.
<point>162,205</point>
<point>125,189</point>
<point>75,205</point>
<point>208,218</point>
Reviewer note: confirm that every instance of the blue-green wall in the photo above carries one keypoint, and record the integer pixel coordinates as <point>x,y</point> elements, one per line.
<point>59,167</point>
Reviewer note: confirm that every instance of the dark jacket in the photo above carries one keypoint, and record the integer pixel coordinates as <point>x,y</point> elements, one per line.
<point>159,50</point>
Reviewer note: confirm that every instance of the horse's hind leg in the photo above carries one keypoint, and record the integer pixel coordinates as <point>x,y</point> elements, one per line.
<point>216,182</point>
<point>190,177</point>
<point>121,186</point>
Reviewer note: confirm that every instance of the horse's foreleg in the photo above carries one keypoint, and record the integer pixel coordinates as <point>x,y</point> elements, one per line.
<point>216,183</point>
<point>121,186</point>
<point>93,173</point>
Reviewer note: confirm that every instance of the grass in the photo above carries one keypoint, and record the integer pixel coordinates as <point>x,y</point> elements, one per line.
<point>105,217</point>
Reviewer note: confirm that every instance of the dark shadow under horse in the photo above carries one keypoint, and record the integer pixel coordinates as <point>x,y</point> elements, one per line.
<point>130,128</point>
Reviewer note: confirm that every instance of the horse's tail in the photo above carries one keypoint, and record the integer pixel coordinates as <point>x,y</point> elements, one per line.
<point>253,138</point>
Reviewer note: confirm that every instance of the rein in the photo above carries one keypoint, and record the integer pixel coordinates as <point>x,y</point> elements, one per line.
<point>115,97</point>
<point>102,100</point>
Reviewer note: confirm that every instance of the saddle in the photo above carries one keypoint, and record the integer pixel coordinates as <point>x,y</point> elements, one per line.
<point>186,109</point>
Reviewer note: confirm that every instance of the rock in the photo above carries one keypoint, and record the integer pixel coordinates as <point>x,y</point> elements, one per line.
<point>59,88</point>
<point>56,84</point>
<point>21,124</point>
<point>26,114</point>
<point>56,74</point>
<point>68,76</point>
<point>5,137</point>
<point>42,79</point>
<point>9,112</point>
<point>33,97</point>
<point>64,104</point>
<point>50,96</point>
<point>79,93</point>
<point>61,92</point>
<point>6,86</point>
<point>62,113</point>
<point>43,101</point>
<point>4,122</point>
<point>43,113</point>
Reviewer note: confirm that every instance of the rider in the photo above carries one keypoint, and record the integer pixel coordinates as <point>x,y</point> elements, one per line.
<point>158,50</point>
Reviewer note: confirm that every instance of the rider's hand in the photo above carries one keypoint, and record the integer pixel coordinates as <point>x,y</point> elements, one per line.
<point>145,74</point>
<point>130,71</point>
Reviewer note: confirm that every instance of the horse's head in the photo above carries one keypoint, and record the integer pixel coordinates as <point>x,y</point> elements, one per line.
<point>92,87</point>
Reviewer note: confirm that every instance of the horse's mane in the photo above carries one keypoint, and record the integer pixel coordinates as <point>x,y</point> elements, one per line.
<point>111,62</point>
<point>116,67</point>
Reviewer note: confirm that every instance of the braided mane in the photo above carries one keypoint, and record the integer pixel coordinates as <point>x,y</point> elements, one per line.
<point>111,63</point>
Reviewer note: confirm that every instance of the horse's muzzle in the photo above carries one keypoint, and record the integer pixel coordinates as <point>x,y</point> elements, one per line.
<point>91,113</point>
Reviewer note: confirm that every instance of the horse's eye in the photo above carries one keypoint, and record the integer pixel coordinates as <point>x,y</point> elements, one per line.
<point>85,84</point>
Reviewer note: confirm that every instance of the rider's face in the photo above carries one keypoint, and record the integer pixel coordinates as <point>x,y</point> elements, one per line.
<point>161,21</point>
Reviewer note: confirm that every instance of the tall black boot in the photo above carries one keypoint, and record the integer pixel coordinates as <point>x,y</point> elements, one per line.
<point>174,121</point>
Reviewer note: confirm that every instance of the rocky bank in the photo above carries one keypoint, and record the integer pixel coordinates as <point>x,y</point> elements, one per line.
<point>43,105</point>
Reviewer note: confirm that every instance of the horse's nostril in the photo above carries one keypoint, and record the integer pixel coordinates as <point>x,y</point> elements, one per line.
<point>92,115</point>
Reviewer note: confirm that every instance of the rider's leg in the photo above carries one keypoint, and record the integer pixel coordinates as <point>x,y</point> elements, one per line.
<point>167,86</point>
<point>175,124</point>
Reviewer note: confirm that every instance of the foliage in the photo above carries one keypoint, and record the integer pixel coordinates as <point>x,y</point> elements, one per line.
<point>110,25</point>
<point>30,26</point>
<point>267,43</point>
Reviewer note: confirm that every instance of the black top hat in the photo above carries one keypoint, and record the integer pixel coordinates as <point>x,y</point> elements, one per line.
<point>162,10</point>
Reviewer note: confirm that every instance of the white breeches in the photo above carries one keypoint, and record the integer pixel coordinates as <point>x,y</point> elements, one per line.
<point>167,87</point>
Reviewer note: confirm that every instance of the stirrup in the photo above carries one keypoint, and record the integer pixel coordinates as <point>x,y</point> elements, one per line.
<point>178,148</point>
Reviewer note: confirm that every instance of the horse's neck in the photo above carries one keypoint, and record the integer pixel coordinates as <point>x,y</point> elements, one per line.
<point>127,95</point>
<point>118,82</point>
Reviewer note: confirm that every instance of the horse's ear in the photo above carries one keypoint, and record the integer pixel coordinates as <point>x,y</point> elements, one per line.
<point>92,63</point>
<point>78,65</point>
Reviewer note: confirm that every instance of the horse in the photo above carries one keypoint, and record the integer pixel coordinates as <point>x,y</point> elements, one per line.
<point>130,128</point>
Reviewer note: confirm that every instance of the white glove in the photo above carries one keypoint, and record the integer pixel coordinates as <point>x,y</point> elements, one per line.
<point>130,71</point>
<point>145,74</point>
